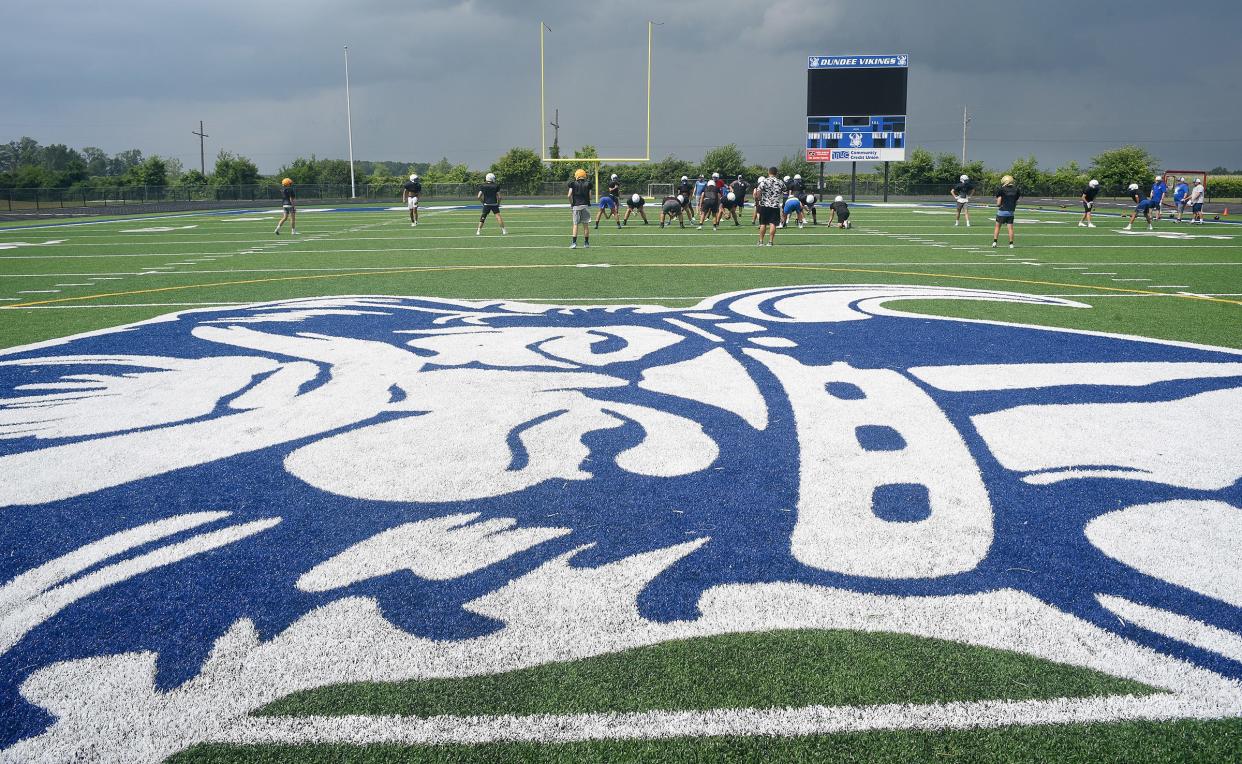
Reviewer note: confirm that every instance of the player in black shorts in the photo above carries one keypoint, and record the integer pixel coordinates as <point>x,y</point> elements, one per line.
<point>840,211</point>
<point>610,202</point>
<point>808,204</point>
<point>635,203</point>
<point>288,206</point>
<point>685,189</point>
<point>489,194</point>
<point>709,205</point>
<point>738,188</point>
<point>1089,193</point>
<point>670,208</point>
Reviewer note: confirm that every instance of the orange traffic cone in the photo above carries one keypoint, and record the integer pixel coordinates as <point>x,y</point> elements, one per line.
<point>1225,213</point>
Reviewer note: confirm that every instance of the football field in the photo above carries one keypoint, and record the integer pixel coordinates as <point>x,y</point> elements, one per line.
<point>381,493</point>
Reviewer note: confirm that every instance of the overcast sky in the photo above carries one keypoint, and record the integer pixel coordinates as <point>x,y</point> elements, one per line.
<point>430,78</point>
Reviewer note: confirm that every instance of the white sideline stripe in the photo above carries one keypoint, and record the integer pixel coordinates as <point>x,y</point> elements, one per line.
<point>511,299</point>
<point>781,722</point>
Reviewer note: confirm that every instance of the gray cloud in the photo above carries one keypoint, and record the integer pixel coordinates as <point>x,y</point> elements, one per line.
<point>1060,80</point>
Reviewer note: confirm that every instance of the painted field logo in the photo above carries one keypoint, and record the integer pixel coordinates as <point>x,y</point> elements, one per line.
<point>207,512</point>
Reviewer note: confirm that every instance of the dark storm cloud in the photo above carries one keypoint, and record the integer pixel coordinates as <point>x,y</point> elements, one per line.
<point>1060,80</point>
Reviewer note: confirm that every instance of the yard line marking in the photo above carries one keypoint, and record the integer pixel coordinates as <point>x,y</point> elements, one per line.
<point>1130,279</point>
<point>739,266</point>
<point>1099,273</point>
<point>1170,286</point>
<point>40,291</point>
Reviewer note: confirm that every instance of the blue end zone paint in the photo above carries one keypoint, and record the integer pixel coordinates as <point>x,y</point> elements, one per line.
<point>742,502</point>
<point>879,437</point>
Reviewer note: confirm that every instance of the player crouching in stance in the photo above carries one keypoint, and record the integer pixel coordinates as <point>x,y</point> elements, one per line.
<point>610,203</point>
<point>289,208</point>
<point>580,205</point>
<point>1007,197</point>
<point>961,198</point>
<point>410,191</point>
<point>1088,203</point>
<point>709,204</point>
<point>1140,205</point>
<point>841,211</point>
<point>672,207</point>
<point>635,203</point>
<point>792,206</point>
<point>489,194</point>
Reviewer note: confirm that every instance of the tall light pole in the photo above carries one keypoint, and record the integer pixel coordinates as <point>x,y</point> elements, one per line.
<point>349,127</point>
<point>202,157</point>
<point>965,122</point>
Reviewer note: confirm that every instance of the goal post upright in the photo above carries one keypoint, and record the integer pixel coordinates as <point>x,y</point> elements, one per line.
<point>543,140</point>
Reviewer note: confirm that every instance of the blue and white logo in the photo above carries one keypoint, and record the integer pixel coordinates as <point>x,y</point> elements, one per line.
<point>209,511</point>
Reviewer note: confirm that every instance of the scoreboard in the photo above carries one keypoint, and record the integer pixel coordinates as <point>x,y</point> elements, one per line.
<point>856,108</point>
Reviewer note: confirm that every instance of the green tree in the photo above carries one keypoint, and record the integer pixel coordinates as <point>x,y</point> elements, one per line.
<point>58,157</point>
<point>192,178</point>
<point>1118,168</point>
<point>96,160</point>
<point>726,160</point>
<point>919,168</point>
<point>797,165</point>
<point>123,160</point>
<point>520,170</point>
<point>152,171</point>
<point>234,170</point>
<point>1027,174</point>
<point>586,152</point>
<point>334,171</point>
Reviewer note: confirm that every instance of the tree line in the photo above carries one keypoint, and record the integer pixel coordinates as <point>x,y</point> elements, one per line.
<point>24,163</point>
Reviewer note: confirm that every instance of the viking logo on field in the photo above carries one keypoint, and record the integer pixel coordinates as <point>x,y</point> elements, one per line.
<point>211,510</point>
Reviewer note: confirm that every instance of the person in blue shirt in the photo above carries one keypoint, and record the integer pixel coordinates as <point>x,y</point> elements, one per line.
<point>1158,189</point>
<point>1180,192</point>
<point>1140,205</point>
<point>792,206</point>
<point>699,185</point>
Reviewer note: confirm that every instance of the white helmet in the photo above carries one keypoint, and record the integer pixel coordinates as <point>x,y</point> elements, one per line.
<point>1134,187</point>
<point>1181,179</point>
<point>964,178</point>
<point>1197,181</point>
<point>685,177</point>
<point>786,179</point>
<point>715,175</point>
<point>490,177</point>
<point>414,176</point>
<point>1093,183</point>
<point>681,199</point>
<point>810,198</point>
<point>614,176</point>
<point>636,198</point>
<point>1158,178</point>
<point>797,177</point>
<point>839,199</point>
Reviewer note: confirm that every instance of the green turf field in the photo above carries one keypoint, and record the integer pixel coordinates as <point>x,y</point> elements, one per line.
<point>1181,283</point>
<point>1187,288</point>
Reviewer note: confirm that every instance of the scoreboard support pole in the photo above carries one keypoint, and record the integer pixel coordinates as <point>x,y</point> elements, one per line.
<point>853,182</point>
<point>821,178</point>
<point>886,181</point>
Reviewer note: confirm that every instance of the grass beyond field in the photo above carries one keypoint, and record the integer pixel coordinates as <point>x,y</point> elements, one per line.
<point>1181,283</point>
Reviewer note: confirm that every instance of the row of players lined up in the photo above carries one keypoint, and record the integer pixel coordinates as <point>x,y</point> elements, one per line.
<point>1183,197</point>
<point>776,200</point>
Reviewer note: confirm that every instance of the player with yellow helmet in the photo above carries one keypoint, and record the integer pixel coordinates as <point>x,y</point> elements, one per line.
<point>288,207</point>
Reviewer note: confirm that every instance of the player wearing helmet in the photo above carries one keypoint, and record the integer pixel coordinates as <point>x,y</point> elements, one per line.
<point>289,208</point>
<point>1141,204</point>
<point>610,203</point>
<point>709,204</point>
<point>1007,196</point>
<point>580,205</point>
<point>961,198</point>
<point>1158,189</point>
<point>840,211</point>
<point>1088,203</point>
<point>635,203</point>
<point>792,206</point>
<point>685,189</point>
<point>410,191</point>
<point>1196,202</point>
<point>672,207</point>
<point>489,194</point>
<point>738,188</point>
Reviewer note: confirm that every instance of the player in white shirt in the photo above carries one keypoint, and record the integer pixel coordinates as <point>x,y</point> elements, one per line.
<point>1196,202</point>
<point>961,196</point>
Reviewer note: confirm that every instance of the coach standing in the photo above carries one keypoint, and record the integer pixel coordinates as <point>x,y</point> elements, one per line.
<point>769,195</point>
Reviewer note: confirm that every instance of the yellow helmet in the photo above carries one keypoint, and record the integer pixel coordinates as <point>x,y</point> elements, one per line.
<point>580,174</point>
<point>287,182</point>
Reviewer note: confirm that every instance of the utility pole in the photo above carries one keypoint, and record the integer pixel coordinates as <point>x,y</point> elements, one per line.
<point>349,127</point>
<point>556,135</point>
<point>965,122</point>
<point>202,156</point>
